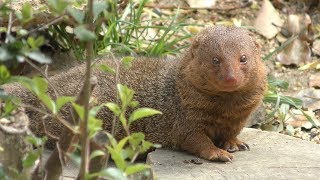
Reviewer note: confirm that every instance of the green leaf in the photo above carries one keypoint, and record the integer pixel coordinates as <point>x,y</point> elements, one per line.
<point>77,14</point>
<point>26,13</point>
<point>94,125</point>
<point>146,145</point>
<point>278,83</point>
<point>62,100</point>
<point>117,158</point>
<point>106,68</point>
<point>5,55</point>
<point>79,109</point>
<point>48,102</point>
<point>121,144</point>
<point>127,61</point>
<point>134,104</point>
<point>36,141</point>
<point>58,6</point>
<point>84,34</point>
<point>125,93</point>
<point>139,167</point>
<point>4,74</point>
<point>9,106</point>
<point>94,111</point>
<point>112,140</point>
<point>99,7</point>
<point>142,113</point>
<point>271,98</point>
<point>41,84</point>
<point>27,83</point>
<point>30,159</point>
<point>35,43</point>
<point>136,139</point>
<point>97,153</point>
<point>114,108</point>
<point>39,57</point>
<point>112,173</point>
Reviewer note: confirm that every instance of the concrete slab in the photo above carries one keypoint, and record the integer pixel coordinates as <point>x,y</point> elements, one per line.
<point>272,156</point>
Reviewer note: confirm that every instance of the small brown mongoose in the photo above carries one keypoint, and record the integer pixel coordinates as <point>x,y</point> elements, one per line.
<point>206,95</point>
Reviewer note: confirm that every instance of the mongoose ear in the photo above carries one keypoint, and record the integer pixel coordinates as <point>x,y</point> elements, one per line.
<point>195,43</point>
<point>258,46</point>
<point>194,46</point>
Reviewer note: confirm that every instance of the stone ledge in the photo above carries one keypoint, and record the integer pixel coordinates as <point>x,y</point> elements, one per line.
<point>272,156</point>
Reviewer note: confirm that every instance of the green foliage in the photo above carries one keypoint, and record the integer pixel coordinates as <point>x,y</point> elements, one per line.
<point>121,31</point>
<point>2,174</point>
<point>126,150</point>
<point>32,156</point>
<point>58,6</point>
<point>282,105</point>
<point>26,13</point>
<point>83,34</point>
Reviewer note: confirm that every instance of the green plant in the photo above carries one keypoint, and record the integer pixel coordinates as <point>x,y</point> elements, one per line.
<point>84,41</point>
<point>281,103</point>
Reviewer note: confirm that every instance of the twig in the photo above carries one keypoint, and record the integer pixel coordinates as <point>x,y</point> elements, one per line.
<point>117,81</point>
<point>192,8</point>
<point>9,28</point>
<point>65,123</point>
<point>114,121</point>
<point>44,75</point>
<point>53,21</point>
<point>85,141</point>
<point>312,97</point>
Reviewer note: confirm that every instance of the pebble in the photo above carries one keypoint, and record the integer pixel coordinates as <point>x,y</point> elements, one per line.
<point>312,135</point>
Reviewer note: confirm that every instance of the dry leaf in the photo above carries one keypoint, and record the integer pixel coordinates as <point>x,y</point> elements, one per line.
<point>316,47</point>
<point>312,65</point>
<point>297,119</point>
<point>314,80</point>
<point>310,98</point>
<point>266,20</point>
<point>201,3</point>
<point>298,52</point>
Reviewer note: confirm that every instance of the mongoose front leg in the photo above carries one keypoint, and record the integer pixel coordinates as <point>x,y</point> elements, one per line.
<point>200,144</point>
<point>234,144</point>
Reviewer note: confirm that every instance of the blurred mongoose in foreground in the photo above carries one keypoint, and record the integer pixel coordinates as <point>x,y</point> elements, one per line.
<point>206,95</point>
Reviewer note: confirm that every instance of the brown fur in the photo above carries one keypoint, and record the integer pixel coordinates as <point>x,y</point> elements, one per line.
<point>204,106</point>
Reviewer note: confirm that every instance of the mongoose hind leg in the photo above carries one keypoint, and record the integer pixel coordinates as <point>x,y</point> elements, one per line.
<point>234,144</point>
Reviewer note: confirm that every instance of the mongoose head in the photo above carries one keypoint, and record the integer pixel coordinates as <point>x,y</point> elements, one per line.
<point>224,59</point>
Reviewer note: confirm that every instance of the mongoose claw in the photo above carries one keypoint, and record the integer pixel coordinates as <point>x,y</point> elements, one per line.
<point>216,155</point>
<point>234,145</point>
<point>244,147</point>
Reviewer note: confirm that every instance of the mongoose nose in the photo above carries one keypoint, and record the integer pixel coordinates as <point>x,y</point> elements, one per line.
<point>230,80</point>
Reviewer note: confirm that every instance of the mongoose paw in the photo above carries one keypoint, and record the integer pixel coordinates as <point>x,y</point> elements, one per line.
<point>216,154</point>
<point>234,145</point>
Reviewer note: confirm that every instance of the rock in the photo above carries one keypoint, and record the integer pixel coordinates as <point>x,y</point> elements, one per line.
<point>258,117</point>
<point>272,156</point>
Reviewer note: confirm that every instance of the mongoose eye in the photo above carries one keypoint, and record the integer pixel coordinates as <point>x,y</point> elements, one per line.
<point>215,61</point>
<point>243,59</point>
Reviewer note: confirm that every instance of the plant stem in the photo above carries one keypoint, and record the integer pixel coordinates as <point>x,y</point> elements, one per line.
<point>84,168</point>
